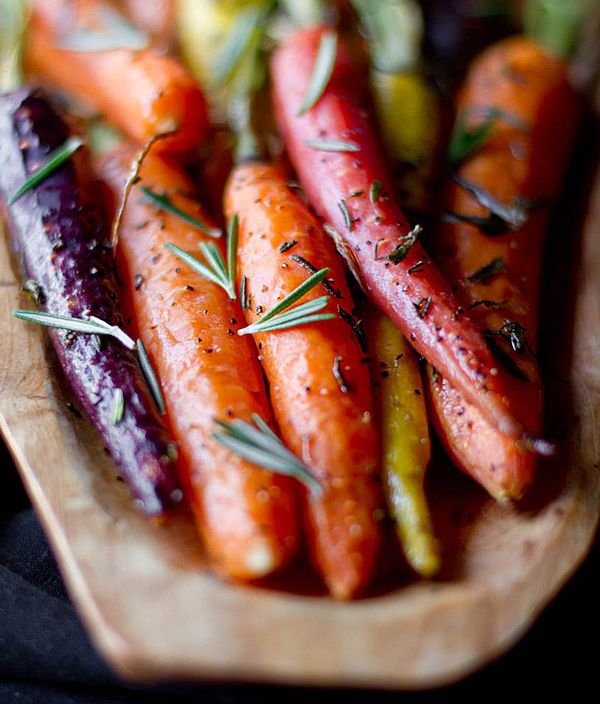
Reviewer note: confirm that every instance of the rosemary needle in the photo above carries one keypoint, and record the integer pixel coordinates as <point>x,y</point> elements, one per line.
<point>258,444</point>
<point>280,318</point>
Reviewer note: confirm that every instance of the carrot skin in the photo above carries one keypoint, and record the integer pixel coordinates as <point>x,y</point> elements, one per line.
<point>247,515</point>
<point>444,335</point>
<point>142,92</point>
<point>330,427</point>
<point>60,239</point>
<point>524,158</point>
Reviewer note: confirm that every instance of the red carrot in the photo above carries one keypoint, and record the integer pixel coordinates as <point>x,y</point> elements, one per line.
<point>340,166</point>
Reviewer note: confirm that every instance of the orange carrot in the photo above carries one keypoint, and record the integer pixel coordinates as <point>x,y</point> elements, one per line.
<point>246,514</point>
<point>318,376</point>
<point>142,92</point>
<point>495,264</point>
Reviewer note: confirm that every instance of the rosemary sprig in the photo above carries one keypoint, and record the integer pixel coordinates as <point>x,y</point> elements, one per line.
<point>466,140</point>
<point>258,444</point>
<point>54,160</point>
<point>332,145</point>
<point>163,202</point>
<point>321,72</point>
<point>280,318</point>
<point>91,325</point>
<point>215,270</point>
<point>118,406</point>
<point>150,377</point>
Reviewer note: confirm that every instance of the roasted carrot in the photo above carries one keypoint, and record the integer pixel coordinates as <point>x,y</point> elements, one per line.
<point>317,374</point>
<point>496,264</point>
<point>144,93</point>
<point>341,168</point>
<point>246,514</point>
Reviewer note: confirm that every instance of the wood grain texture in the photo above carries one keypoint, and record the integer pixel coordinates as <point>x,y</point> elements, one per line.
<point>155,612</point>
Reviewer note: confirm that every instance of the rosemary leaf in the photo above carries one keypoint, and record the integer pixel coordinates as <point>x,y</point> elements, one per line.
<point>515,215</point>
<point>280,318</point>
<point>332,145</point>
<point>118,406</point>
<point>232,245</point>
<point>163,202</point>
<point>244,293</point>
<point>346,214</point>
<point>375,190</point>
<point>239,39</point>
<point>321,72</point>
<point>466,141</point>
<point>91,325</point>
<point>488,271</point>
<point>150,376</point>
<point>258,444</point>
<point>54,160</point>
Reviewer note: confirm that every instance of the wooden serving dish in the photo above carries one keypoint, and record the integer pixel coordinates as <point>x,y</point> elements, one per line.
<point>155,612</point>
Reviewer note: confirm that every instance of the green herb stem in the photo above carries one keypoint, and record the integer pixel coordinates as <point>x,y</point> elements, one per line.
<point>163,202</point>
<point>258,444</point>
<point>91,325</point>
<point>321,73</point>
<point>150,377</point>
<point>52,163</point>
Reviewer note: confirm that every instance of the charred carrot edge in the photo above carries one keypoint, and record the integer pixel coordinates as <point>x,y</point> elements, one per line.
<point>498,276</point>
<point>141,91</point>
<point>352,191</point>
<point>317,373</point>
<point>246,514</point>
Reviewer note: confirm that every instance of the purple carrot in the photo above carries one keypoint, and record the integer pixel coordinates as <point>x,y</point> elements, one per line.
<point>60,239</point>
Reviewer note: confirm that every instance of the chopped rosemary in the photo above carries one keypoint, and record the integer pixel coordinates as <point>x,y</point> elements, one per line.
<point>491,225</point>
<point>422,307</point>
<point>280,318</point>
<point>118,406</point>
<point>163,202</point>
<point>150,377</point>
<point>332,145</point>
<point>216,270</point>
<point>514,333</point>
<point>339,377</point>
<point>321,72</point>
<point>417,267</point>
<point>108,31</point>
<point>493,305</point>
<point>54,160</point>
<point>287,245</point>
<point>465,141</point>
<point>311,268</point>
<point>345,214</point>
<point>91,325</point>
<point>507,361</point>
<point>244,302</point>
<point>488,271</point>
<point>515,215</point>
<point>356,326</point>
<point>375,190</point>
<point>406,243</point>
<point>258,444</point>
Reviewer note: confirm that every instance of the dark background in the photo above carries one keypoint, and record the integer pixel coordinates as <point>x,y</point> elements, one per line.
<point>45,655</point>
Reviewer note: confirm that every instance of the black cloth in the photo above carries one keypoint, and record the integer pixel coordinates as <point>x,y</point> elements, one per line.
<point>46,657</point>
